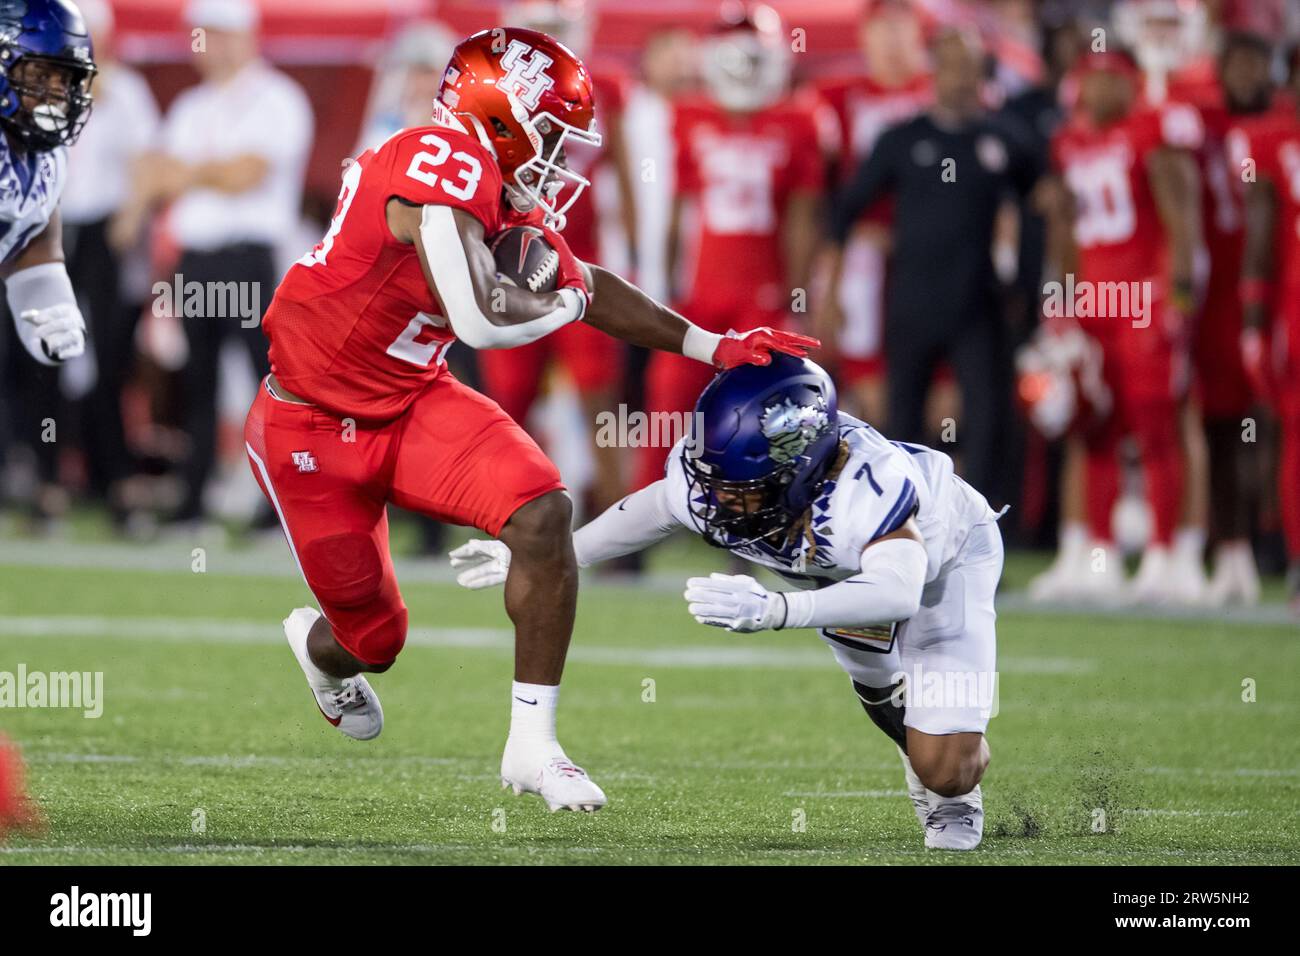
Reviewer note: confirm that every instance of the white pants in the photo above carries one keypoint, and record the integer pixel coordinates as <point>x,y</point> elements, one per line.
<point>946,654</point>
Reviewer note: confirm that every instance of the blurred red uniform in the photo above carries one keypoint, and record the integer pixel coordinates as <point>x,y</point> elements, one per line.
<point>739,170</point>
<point>1273,142</point>
<point>593,359</point>
<point>356,331</point>
<point>1120,239</point>
<point>864,108</point>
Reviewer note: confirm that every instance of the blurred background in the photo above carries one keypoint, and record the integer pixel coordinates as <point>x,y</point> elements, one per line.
<point>730,158</point>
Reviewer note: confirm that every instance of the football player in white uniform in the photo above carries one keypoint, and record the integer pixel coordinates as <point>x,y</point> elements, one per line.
<point>894,561</point>
<point>46,68</point>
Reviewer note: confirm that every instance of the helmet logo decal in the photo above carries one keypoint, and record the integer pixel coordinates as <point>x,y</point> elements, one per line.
<point>526,75</point>
<point>791,428</point>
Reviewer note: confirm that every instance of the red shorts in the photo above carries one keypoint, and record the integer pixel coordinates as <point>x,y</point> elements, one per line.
<point>453,455</point>
<point>513,376</point>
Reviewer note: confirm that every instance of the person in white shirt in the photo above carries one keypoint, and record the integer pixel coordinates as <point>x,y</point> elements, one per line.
<point>100,170</point>
<point>893,559</point>
<point>231,162</point>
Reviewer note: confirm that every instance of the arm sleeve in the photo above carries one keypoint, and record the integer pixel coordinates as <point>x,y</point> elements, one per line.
<point>872,180</point>
<point>887,589</point>
<point>636,522</point>
<point>445,251</point>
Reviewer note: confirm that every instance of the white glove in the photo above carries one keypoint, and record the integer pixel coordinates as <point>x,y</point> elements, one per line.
<point>485,564</point>
<point>53,334</point>
<point>736,602</point>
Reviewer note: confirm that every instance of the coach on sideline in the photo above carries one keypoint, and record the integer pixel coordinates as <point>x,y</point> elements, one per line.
<point>232,158</point>
<point>949,170</point>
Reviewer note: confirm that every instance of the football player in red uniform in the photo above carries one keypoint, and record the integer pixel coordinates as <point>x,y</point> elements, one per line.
<point>1270,294</point>
<point>359,409</point>
<point>1222,389</point>
<point>896,86</point>
<point>1135,227</point>
<point>593,361</point>
<point>749,176</point>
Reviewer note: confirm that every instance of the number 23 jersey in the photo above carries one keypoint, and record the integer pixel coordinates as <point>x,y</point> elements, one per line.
<point>354,327</point>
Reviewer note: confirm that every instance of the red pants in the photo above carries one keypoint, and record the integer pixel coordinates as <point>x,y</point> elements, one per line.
<point>453,455</point>
<point>512,376</point>
<point>1147,377</point>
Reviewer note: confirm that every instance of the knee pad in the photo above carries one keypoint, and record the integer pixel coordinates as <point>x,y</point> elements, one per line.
<point>344,570</point>
<point>886,710</point>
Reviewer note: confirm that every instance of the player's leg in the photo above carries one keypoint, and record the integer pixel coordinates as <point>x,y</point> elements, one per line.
<point>331,509</point>
<point>1188,552</point>
<point>1156,427</point>
<point>949,654</point>
<point>463,460</point>
<point>1288,485</point>
<point>1103,570</point>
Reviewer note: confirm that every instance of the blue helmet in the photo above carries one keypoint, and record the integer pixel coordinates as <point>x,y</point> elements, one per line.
<point>46,66</point>
<point>770,434</point>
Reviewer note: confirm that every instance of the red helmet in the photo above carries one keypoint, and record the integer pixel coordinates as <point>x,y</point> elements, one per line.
<point>746,59</point>
<point>524,94</point>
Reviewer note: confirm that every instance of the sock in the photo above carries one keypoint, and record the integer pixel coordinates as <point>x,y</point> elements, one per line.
<point>1189,541</point>
<point>317,679</point>
<point>1073,539</point>
<point>532,711</point>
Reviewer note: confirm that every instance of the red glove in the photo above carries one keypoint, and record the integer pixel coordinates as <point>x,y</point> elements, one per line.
<point>571,274</point>
<point>1255,353</point>
<point>756,346</point>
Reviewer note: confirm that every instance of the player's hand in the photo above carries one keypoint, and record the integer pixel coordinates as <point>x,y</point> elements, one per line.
<point>482,564</point>
<point>736,602</point>
<point>53,334</point>
<point>756,346</point>
<point>1255,360</point>
<point>571,275</point>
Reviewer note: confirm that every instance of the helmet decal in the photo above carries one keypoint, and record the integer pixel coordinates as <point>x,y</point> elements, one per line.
<point>526,76</point>
<point>791,428</point>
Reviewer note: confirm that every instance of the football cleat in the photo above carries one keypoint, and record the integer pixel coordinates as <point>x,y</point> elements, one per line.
<point>1236,578</point>
<point>916,791</point>
<point>349,703</point>
<point>551,775</point>
<point>956,823</point>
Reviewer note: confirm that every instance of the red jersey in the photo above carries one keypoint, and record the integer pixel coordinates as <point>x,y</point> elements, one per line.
<point>354,327</point>
<point>582,227</point>
<point>864,108</point>
<point>1272,142</point>
<point>741,169</point>
<point>1117,225</point>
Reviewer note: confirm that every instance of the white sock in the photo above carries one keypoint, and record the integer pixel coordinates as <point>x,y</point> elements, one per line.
<point>1189,541</point>
<point>1074,539</point>
<point>532,711</point>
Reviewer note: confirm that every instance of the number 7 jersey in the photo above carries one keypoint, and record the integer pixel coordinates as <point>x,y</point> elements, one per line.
<point>354,326</point>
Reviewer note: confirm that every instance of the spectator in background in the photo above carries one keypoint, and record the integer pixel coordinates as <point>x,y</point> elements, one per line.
<point>407,76</point>
<point>231,165</point>
<point>667,72</point>
<point>949,171</point>
<point>100,169</point>
<point>895,86</point>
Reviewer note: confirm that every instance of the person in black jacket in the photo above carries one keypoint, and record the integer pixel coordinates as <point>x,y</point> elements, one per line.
<point>949,169</point>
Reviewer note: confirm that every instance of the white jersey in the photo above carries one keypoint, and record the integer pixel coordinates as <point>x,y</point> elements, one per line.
<point>880,486</point>
<point>30,186</point>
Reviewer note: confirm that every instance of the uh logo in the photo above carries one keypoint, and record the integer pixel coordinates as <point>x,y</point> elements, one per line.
<point>305,461</point>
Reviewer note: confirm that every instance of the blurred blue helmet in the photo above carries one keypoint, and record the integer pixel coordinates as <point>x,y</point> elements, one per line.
<point>46,66</point>
<point>770,434</point>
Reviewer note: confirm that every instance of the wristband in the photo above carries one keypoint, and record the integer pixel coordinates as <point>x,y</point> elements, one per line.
<point>699,344</point>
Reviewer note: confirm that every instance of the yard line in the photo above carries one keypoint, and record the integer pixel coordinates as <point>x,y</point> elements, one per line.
<point>187,630</point>
<point>855,794</point>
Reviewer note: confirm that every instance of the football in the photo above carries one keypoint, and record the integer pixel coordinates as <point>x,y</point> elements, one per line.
<point>525,259</point>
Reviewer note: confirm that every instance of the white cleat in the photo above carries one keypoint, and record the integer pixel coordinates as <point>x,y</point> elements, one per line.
<point>1101,578</point>
<point>956,823</point>
<point>916,791</point>
<point>1236,578</point>
<point>349,703</point>
<point>551,775</point>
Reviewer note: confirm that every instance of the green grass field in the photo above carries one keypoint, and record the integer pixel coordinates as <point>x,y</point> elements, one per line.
<point>210,750</point>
